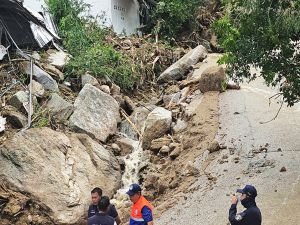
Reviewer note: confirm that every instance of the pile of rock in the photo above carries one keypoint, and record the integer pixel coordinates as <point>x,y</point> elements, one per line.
<point>56,168</point>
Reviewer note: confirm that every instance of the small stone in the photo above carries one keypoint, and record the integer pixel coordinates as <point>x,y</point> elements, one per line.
<point>88,79</point>
<point>105,89</point>
<point>283,169</point>
<point>129,103</point>
<point>214,146</point>
<point>175,153</point>
<point>164,149</point>
<point>279,150</point>
<point>115,89</point>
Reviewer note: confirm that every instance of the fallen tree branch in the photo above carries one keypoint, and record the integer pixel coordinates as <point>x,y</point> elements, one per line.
<point>275,115</point>
<point>130,122</point>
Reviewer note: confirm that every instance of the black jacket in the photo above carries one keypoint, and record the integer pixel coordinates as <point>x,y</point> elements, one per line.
<point>112,211</point>
<point>101,219</point>
<point>251,216</point>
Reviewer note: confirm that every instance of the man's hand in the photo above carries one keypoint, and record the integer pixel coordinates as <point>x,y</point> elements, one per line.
<point>234,199</point>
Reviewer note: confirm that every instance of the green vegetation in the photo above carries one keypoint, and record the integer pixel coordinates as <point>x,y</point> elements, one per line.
<point>41,118</point>
<point>263,34</point>
<point>85,41</point>
<point>172,17</point>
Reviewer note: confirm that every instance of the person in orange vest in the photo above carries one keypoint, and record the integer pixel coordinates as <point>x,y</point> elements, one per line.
<point>141,210</point>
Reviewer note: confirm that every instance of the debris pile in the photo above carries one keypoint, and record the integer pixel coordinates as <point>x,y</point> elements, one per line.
<point>63,129</point>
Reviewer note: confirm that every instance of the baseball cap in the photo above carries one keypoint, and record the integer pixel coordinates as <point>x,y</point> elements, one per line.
<point>133,189</point>
<point>248,190</point>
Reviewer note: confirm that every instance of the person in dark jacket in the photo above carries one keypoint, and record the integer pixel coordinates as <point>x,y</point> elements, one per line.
<point>96,195</point>
<point>101,217</point>
<point>252,214</point>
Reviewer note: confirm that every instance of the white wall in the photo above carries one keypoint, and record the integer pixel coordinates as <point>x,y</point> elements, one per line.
<point>125,16</point>
<point>122,14</point>
<point>34,4</point>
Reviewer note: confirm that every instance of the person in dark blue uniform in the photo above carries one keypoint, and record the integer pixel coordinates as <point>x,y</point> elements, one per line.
<point>252,214</point>
<point>101,217</point>
<point>96,195</point>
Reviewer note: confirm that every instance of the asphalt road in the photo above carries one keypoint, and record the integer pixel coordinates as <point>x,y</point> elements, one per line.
<point>255,154</point>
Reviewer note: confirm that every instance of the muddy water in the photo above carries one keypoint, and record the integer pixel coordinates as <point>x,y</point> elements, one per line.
<point>134,162</point>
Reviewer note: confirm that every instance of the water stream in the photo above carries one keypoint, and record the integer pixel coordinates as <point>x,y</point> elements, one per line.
<point>133,164</point>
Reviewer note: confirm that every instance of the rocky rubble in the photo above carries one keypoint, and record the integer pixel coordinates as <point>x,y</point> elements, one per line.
<point>58,170</point>
<point>101,129</point>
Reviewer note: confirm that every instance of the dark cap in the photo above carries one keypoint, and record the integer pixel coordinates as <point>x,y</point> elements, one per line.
<point>133,189</point>
<point>248,190</point>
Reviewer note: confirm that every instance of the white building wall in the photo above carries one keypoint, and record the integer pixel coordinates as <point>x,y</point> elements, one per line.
<point>34,4</point>
<point>125,16</point>
<point>121,14</point>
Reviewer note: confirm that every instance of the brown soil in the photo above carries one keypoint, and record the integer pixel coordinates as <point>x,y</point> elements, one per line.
<point>201,131</point>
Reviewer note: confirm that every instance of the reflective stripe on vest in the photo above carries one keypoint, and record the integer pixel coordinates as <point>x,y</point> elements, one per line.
<point>137,219</point>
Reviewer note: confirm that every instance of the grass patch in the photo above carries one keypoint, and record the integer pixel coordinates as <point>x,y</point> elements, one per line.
<point>85,40</point>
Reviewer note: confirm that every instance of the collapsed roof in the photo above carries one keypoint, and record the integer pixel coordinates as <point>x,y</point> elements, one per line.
<point>24,28</point>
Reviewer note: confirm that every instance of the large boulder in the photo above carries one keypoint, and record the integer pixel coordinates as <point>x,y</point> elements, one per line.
<point>182,66</point>
<point>137,118</point>
<point>60,108</point>
<point>212,79</point>
<point>57,171</point>
<point>96,113</point>
<point>157,124</point>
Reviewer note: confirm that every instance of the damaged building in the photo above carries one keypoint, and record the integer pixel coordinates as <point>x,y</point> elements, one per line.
<point>122,15</point>
<point>21,27</point>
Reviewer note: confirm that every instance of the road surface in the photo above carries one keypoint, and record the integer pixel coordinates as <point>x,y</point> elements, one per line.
<point>256,153</point>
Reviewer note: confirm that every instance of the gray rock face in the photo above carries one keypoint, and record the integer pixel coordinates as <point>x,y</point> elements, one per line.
<point>88,79</point>
<point>41,76</point>
<point>60,108</point>
<point>37,89</point>
<point>105,89</point>
<point>157,124</point>
<point>126,145</point>
<point>180,126</point>
<point>178,69</point>
<point>212,79</point>
<point>138,118</point>
<point>156,144</point>
<point>96,113</point>
<point>171,99</point>
<point>15,118</point>
<point>58,171</point>
<point>20,101</point>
